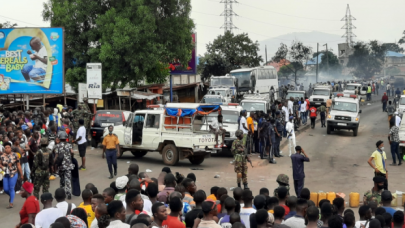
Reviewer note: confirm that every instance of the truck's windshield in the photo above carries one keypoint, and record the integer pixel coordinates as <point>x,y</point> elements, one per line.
<point>218,92</point>
<point>344,106</point>
<point>351,87</point>
<point>322,92</point>
<point>211,100</point>
<point>222,82</point>
<point>292,94</point>
<point>228,116</point>
<point>252,106</point>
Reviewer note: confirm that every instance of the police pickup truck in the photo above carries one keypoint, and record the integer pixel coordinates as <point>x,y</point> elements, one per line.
<point>320,95</point>
<point>356,89</point>
<point>174,131</point>
<point>255,102</point>
<point>344,114</point>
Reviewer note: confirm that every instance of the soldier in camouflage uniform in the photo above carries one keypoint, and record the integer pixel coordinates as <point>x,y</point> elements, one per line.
<point>283,181</point>
<point>375,193</point>
<point>241,159</point>
<point>77,113</point>
<point>42,162</point>
<point>87,115</point>
<point>66,166</point>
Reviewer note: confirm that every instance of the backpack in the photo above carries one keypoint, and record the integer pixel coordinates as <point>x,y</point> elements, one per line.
<point>44,158</point>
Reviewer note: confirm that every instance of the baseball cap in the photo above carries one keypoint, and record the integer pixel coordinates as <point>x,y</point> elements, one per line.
<point>46,196</point>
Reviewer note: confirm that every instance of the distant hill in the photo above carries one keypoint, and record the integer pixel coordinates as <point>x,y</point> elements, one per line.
<point>308,38</point>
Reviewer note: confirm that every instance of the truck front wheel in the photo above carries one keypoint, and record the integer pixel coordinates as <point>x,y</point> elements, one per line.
<point>170,155</point>
<point>328,129</point>
<point>196,160</point>
<point>355,131</point>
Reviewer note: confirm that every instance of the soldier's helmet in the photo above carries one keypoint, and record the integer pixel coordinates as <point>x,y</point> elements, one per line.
<point>283,179</point>
<point>238,133</point>
<point>44,141</point>
<point>62,135</point>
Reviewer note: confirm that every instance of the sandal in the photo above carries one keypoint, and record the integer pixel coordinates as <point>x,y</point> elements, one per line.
<point>10,206</point>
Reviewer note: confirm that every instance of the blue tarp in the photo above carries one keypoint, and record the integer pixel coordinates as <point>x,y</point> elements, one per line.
<point>213,107</point>
<point>184,112</point>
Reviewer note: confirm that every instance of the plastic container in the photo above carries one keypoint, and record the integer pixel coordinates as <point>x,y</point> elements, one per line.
<point>354,199</point>
<point>321,196</point>
<point>314,198</point>
<point>403,198</point>
<point>394,200</point>
<point>330,196</point>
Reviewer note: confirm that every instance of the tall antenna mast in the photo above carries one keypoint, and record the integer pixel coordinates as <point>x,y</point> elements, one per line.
<point>348,18</point>
<point>228,14</point>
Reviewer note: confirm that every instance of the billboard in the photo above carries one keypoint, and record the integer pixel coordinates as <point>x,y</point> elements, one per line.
<point>178,68</point>
<point>32,61</point>
<point>82,91</point>
<point>94,81</point>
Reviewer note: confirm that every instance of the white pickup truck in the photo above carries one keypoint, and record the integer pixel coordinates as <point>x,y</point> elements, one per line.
<point>174,131</point>
<point>356,89</point>
<point>320,95</point>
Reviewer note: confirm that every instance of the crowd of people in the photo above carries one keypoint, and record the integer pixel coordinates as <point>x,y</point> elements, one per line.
<point>136,200</point>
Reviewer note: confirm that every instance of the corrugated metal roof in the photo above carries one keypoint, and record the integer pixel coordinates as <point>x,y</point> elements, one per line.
<point>394,54</point>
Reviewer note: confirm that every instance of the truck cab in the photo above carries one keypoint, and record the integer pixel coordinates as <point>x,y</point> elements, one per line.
<point>356,89</point>
<point>255,102</point>
<point>226,81</point>
<point>320,95</point>
<point>213,99</point>
<point>230,113</point>
<point>345,114</point>
<point>297,95</point>
<point>226,93</point>
<point>175,132</point>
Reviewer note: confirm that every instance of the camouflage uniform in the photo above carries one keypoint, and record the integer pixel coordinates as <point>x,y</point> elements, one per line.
<point>41,175</point>
<point>65,170</point>
<point>77,113</point>
<point>86,116</point>
<point>371,195</point>
<point>283,181</point>
<point>239,154</point>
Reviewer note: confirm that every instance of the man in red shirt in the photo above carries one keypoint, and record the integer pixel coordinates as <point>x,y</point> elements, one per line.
<point>313,113</point>
<point>173,221</point>
<point>31,205</point>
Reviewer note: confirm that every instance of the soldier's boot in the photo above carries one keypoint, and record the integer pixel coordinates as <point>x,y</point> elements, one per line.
<point>111,176</point>
<point>239,185</point>
<point>245,186</point>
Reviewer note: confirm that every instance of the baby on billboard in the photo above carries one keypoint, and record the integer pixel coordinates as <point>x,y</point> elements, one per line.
<point>37,71</point>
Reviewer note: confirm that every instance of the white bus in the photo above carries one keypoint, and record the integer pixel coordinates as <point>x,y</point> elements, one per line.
<point>257,79</point>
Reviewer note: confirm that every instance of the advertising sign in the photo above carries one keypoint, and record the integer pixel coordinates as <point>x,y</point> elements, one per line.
<point>94,81</point>
<point>32,61</point>
<point>82,91</point>
<point>178,68</point>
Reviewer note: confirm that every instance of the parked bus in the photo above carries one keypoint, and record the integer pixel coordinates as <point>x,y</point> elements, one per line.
<point>256,79</point>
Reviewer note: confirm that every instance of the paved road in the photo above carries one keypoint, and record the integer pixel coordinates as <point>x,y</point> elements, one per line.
<point>338,163</point>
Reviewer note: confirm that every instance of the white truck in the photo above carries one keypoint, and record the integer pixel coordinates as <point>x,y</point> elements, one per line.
<point>356,89</point>
<point>345,114</point>
<point>213,99</point>
<point>255,102</point>
<point>320,95</point>
<point>226,93</point>
<point>226,81</point>
<point>174,131</point>
<point>230,113</point>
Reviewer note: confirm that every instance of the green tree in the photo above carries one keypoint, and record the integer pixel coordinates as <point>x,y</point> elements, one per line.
<point>393,47</point>
<point>333,67</point>
<point>229,52</point>
<point>297,54</point>
<point>133,39</point>
<point>7,24</point>
<point>367,59</point>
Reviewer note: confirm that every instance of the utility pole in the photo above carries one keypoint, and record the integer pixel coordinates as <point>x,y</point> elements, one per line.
<point>327,58</point>
<point>228,15</point>
<point>317,56</point>
<point>266,55</point>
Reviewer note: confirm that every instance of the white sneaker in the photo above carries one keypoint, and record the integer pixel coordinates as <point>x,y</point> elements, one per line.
<point>17,192</point>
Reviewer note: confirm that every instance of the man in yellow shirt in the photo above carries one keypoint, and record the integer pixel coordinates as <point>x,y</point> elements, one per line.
<point>251,129</point>
<point>111,148</point>
<point>86,205</point>
<point>379,158</point>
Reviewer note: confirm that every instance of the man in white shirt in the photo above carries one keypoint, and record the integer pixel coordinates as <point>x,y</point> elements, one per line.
<point>291,106</point>
<point>243,126</point>
<point>62,205</point>
<point>81,143</point>
<point>49,214</point>
<point>290,135</point>
<point>388,89</point>
<point>397,119</point>
<point>365,216</point>
<point>36,72</point>
<point>216,128</point>
<point>303,111</point>
<point>247,209</point>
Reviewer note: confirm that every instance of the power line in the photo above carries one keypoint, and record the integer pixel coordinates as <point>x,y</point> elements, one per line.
<point>19,20</point>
